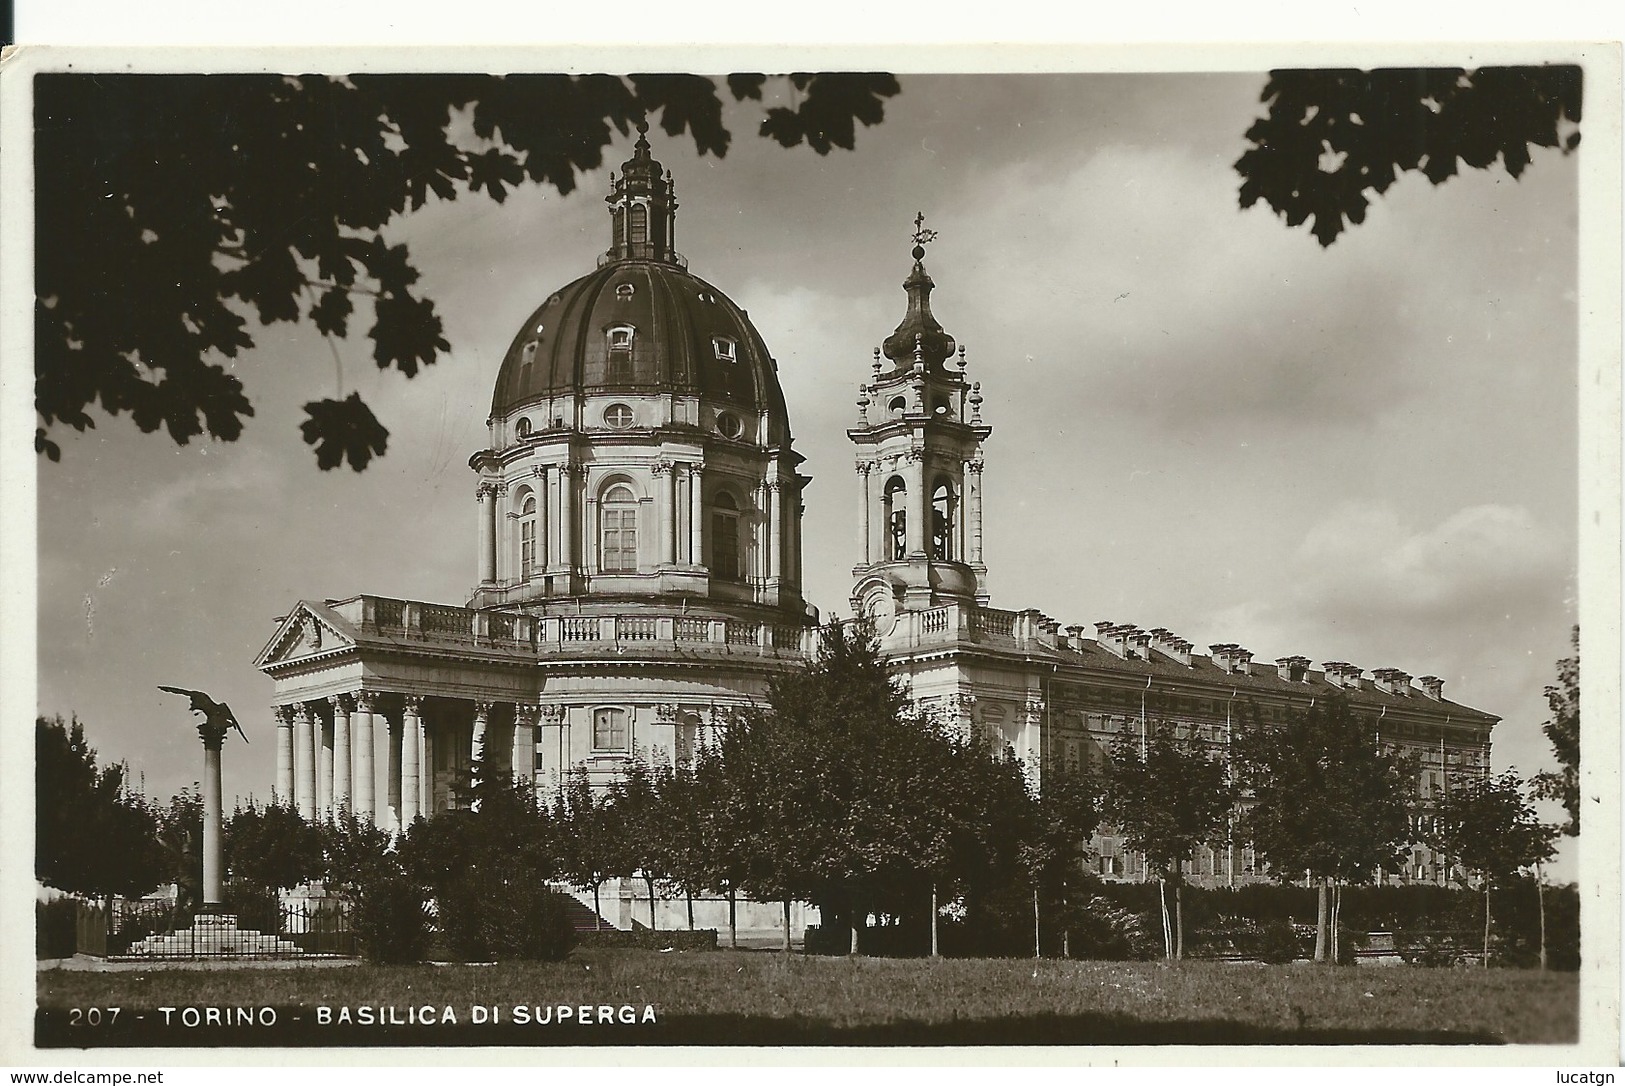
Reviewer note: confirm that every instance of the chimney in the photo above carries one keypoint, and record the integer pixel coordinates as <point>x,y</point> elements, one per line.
<point>1142,644</point>
<point>1293,669</point>
<point>1233,659</point>
<point>1074,638</point>
<point>1119,639</point>
<point>1432,686</point>
<point>1167,643</point>
<point>1343,675</point>
<point>1393,681</point>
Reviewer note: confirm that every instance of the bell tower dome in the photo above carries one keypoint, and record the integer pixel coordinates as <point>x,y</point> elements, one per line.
<point>919,460</point>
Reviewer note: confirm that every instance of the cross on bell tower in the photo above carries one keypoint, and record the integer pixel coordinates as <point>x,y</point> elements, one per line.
<point>919,444</point>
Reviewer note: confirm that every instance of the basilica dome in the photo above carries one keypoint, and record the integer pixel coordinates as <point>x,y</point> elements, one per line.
<point>641,322</point>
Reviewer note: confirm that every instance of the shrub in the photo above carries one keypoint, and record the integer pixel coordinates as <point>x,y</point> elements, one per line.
<point>492,916</point>
<point>1277,942</point>
<point>391,918</point>
<point>56,928</point>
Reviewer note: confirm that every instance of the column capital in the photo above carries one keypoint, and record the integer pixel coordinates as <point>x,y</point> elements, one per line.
<point>284,715</point>
<point>366,701</point>
<point>307,711</point>
<point>773,484</point>
<point>666,712</point>
<point>550,714</point>
<point>524,713</point>
<point>484,490</point>
<point>663,467</point>
<point>866,466</point>
<point>482,709</point>
<point>538,471</point>
<point>974,466</point>
<point>342,703</point>
<point>414,704</point>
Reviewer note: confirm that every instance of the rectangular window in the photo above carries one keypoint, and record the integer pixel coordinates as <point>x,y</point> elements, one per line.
<point>620,541</point>
<point>609,729</point>
<point>725,546</point>
<point>527,548</point>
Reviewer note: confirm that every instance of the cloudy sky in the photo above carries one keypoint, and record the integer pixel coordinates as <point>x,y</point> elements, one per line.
<point>1202,419</point>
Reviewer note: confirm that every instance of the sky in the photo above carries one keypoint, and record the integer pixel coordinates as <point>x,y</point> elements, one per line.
<point>1202,420</point>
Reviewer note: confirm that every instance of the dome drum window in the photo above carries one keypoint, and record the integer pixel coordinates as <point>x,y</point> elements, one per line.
<point>618,416</point>
<point>729,425</point>
<point>725,538</point>
<point>618,536</point>
<point>609,731</point>
<point>521,429</point>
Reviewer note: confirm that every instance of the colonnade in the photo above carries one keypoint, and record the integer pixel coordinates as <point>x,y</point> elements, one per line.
<point>374,755</point>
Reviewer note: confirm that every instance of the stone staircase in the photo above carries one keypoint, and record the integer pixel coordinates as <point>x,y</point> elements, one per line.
<point>582,918</point>
<point>213,936</point>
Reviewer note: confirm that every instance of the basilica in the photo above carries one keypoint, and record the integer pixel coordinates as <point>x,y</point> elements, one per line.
<point>638,516</point>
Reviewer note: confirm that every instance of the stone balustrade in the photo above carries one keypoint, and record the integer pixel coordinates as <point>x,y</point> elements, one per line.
<point>543,635</point>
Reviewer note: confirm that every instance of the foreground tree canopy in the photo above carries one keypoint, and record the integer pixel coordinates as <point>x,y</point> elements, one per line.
<point>170,209</point>
<point>1563,730</point>
<point>1333,135</point>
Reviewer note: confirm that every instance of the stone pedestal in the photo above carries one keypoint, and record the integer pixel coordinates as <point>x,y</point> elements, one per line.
<point>214,935</point>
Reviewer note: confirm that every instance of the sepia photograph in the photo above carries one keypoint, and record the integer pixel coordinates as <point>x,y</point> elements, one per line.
<point>604,554</point>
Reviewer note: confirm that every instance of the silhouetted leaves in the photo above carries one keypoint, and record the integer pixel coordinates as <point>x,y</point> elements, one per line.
<point>343,430</point>
<point>1563,730</point>
<point>171,208</point>
<point>1331,136</point>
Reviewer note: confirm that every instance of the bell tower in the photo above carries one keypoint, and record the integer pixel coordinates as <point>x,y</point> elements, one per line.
<point>919,460</point>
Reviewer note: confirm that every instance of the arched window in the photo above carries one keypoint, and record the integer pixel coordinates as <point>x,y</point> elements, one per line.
<point>725,538</point>
<point>609,730</point>
<point>897,518</point>
<point>618,552</point>
<point>942,522</point>
<point>521,429</point>
<point>527,538</point>
<point>640,224</point>
<point>897,406</point>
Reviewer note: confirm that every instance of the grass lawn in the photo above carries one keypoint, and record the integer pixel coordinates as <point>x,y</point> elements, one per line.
<point>764,998</point>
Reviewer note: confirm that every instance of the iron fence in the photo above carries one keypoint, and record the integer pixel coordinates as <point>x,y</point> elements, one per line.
<point>158,929</point>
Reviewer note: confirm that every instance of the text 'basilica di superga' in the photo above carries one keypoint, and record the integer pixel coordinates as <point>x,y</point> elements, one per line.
<point>640,577</point>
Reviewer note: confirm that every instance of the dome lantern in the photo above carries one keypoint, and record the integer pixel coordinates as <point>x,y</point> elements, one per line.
<point>642,208</point>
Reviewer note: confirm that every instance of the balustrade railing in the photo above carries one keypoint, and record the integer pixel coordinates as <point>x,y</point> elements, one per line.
<point>456,622</point>
<point>575,628</point>
<point>638,629</point>
<point>687,628</point>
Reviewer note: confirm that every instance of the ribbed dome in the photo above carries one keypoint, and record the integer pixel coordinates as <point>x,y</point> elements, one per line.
<point>683,332</point>
<point>640,322</point>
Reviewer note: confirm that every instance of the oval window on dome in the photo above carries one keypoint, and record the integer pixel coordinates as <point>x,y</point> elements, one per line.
<point>618,416</point>
<point>521,428</point>
<point>540,328</point>
<point>729,425</point>
<point>624,291</point>
<point>708,298</point>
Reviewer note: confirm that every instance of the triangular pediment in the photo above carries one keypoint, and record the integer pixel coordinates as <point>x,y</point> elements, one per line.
<point>304,632</point>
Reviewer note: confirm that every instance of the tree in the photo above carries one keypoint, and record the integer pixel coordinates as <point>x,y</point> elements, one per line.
<point>272,847</point>
<point>590,838</point>
<point>644,823</point>
<point>1321,797</point>
<point>170,209</point>
<point>180,836</point>
<point>1332,135</point>
<point>1059,819</point>
<point>1490,828</point>
<point>1563,730</point>
<point>92,834</point>
<point>1167,802</point>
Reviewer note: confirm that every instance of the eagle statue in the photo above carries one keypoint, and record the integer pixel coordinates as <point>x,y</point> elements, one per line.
<point>217,715</point>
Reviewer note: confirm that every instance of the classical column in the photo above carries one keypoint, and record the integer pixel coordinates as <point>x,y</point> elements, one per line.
<point>411,759</point>
<point>523,759</point>
<point>284,755</point>
<point>570,528</point>
<point>485,495</point>
<point>304,765</point>
<point>696,516</point>
<point>482,724</point>
<point>425,766</point>
<point>973,483</point>
<point>666,498</point>
<point>775,532</point>
<point>324,766</point>
<point>919,503</point>
<point>392,779</point>
<point>362,739</point>
<point>544,519</point>
<point>342,768</point>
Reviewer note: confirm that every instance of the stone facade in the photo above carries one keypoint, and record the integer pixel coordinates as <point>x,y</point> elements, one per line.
<point>639,571</point>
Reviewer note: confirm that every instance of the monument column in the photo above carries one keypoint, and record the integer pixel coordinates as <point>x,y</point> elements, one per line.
<point>304,751</point>
<point>365,781</point>
<point>284,755</point>
<point>213,853</point>
<point>411,759</point>
<point>342,766</point>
